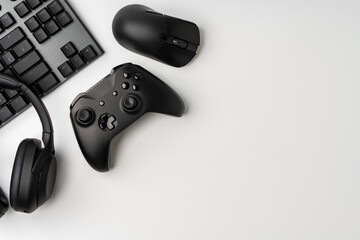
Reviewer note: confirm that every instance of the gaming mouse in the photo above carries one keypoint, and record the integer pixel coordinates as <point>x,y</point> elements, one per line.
<point>167,39</point>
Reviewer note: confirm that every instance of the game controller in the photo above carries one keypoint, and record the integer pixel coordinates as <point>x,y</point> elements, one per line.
<point>113,104</point>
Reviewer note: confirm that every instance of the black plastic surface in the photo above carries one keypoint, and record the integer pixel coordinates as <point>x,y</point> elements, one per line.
<point>107,100</point>
<point>24,184</point>
<point>34,170</point>
<point>167,39</point>
<point>36,41</point>
<point>4,203</point>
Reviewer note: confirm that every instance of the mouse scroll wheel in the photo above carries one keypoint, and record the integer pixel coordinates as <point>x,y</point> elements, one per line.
<point>179,43</point>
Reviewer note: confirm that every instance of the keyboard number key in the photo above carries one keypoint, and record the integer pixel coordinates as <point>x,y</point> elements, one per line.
<point>32,24</point>
<point>40,35</point>
<point>43,15</point>
<point>33,3</point>
<point>64,19</point>
<point>52,27</point>
<point>55,7</point>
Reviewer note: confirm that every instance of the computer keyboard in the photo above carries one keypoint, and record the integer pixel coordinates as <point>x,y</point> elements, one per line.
<point>43,43</point>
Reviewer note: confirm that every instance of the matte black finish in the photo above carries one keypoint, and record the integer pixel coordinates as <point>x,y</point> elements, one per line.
<point>31,47</point>
<point>24,184</point>
<point>110,104</point>
<point>34,170</point>
<point>4,204</point>
<point>12,83</point>
<point>167,39</point>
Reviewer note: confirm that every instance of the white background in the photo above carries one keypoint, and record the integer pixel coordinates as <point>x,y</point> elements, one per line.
<point>268,147</point>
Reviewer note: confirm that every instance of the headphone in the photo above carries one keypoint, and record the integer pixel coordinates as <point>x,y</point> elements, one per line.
<point>34,171</point>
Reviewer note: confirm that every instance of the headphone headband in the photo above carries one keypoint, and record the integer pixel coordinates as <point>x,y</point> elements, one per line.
<point>12,83</point>
<point>47,137</point>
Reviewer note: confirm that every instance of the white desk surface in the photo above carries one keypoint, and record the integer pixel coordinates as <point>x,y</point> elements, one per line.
<point>268,147</point>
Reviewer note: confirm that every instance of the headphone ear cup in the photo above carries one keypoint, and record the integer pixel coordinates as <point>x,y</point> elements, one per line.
<point>24,184</point>
<point>4,204</point>
<point>47,180</point>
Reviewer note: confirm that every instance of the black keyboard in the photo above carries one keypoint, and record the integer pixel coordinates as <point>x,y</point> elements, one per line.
<point>42,43</point>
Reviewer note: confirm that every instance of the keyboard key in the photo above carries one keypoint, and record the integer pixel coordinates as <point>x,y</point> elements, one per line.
<point>52,27</point>
<point>18,104</point>
<point>55,7</point>
<point>22,48</point>
<point>69,49</point>
<point>43,15</point>
<point>8,58</point>
<point>77,62</point>
<point>9,72</point>
<point>2,99</point>
<point>7,20</point>
<point>66,70</point>
<point>34,59</point>
<point>48,83</point>
<point>64,19</point>
<point>88,53</point>
<point>33,3</point>
<point>27,62</point>
<point>5,114</point>
<point>12,38</point>
<point>11,93</point>
<point>22,9</point>
<point>36,90</point>
<point>41,36</point>
<point>32,24</point>
<point>35,73</point>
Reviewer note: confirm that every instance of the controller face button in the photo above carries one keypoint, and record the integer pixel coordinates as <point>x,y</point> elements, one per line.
<point>125,85</point>
<point>101,103</point>
<point>136,87</point>
<point>85,116</point>
<point>130,103</point>
<point>126,75</point>
<point>138,76</point>
<point>115,93</point>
